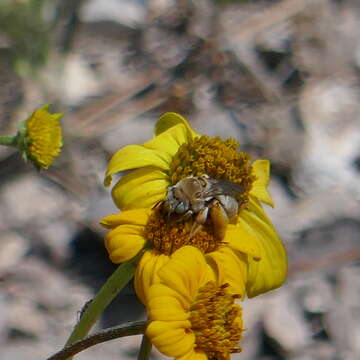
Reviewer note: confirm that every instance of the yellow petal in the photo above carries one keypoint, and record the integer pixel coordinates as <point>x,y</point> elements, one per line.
<point>157,152</point>
<point>164,290</point>
<point>132,157</point>
<point>259,188</point>
<point>270,272</point>
<point>168,142</point>
<point>165,308</point>
<point>140,188</point>
<point>231,268</point>
<point>171,338</point>
<point>186,272</point>
<point>171,119</point>
<point>147,272</point>
<point>124,242</point>
<point>254,206</point>
<point>131,217</point>
<point>241,240</point>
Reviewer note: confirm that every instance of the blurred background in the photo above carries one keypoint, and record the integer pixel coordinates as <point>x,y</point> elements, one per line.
<point>282,77</point>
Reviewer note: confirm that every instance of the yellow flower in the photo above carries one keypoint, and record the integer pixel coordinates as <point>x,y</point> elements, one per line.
<point>251,261</point>
<point>193,315</point>
<point>251,247</point>
<point>42,137</point>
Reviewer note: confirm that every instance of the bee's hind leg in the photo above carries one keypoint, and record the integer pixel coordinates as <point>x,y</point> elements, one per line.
<point>219,219</point>
<point>230,205</point>
<point>199,221</point>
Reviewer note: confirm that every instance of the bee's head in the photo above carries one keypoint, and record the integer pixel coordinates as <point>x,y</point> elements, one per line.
<point>170,202</point>
<point>174,202</point>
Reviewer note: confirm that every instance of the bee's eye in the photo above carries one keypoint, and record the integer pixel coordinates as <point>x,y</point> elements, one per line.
<point>180,208</point>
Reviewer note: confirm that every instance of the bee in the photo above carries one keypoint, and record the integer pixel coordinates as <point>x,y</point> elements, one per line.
<point>200,197</point>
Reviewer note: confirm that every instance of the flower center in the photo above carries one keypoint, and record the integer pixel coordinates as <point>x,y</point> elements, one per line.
<point>216,321</point>
<point>168,236</point>
<point>43,137</point>
<point>218,159</point>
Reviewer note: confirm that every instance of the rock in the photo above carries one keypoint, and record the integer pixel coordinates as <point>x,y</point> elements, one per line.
<point>56,236</point>
<point>329,110</point>
<point>133,131</point>
<point>253,312</point>
<point>316,351</point>
<point>13,247</point>
<point>317,295</point>
<point>284,322</point>
<point>128,12</point>
<point>24,320</point>
<point>30,199</point>
<point>342,321</point>
<point>214,121</point>
<point>78,81</point>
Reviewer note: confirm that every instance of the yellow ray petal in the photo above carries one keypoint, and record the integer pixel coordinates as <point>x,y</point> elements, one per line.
<point>178,348</point>
<point>186,272</point>
<point>270,272</point>
<point>171,119</point>
<point>168,142</point>
<point>123,243</point>
<point>259,190</point>
<point>165,308</point>
<point>256,207</point>
<point>147,272</point>
<point>231,268</point>
<point>241,240</point>
<point>163,290</point>
<point>132,157</point>
<point>157,152</point>
<point>131,217</point>
<point>140,188</point>
<point>156,328</point>
<point>171,338</point>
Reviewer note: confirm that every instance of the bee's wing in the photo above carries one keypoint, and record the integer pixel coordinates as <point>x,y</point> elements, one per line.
<point>224,187</point>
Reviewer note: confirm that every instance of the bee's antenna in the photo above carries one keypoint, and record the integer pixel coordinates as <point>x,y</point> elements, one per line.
<point>157,204</point>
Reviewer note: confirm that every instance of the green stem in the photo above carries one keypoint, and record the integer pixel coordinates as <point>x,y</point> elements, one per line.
<point>145,348</point>
<point>121,276</point>
<point>8,140</point>
<point>128,329</point>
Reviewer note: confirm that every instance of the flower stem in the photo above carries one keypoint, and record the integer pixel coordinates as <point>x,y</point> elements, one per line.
<point>121,276</point>
<point>128,329</point>
<point>8,140</point>
<point>145,348</point>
